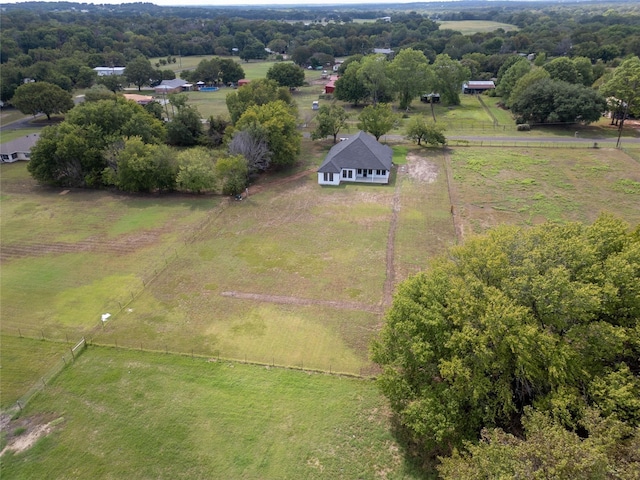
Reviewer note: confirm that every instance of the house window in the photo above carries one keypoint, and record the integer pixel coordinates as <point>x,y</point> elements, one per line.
<point>350,173</point>
<point>359,171</point>
<point>345,173</point>
<point>380,172</point>
<point>328,177</point>
<point>14,156</point>
<point>5,157</point>
<point>27,155</point>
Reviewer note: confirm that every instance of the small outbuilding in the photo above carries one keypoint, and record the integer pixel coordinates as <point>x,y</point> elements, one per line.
<point>360,158</point>
<point>476,87</point>
<point>106,71</point>
<point>243,81</point>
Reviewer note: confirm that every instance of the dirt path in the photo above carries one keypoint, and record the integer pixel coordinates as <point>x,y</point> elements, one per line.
<point>453,199</point>
<point>284,300</point>
<point>390,278</point>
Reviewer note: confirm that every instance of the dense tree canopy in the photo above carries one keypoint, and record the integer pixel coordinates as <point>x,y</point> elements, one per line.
<point>278,123</point>
<point>258,92</point>
<point>411,76</point>
<point>544,317</point>
<point>286,75</point>
<point>73,153</point>
<point>41,97</point>
<point>139,72</point>
<point>555,101</point>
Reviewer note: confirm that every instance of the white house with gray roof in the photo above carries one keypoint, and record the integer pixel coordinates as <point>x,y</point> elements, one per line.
<point>361,158</point>
<point>18,149</point>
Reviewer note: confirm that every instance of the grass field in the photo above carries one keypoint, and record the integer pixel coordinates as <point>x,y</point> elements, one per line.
<point>469,27</point>
<point>122,414</point>
<point>528,186</point>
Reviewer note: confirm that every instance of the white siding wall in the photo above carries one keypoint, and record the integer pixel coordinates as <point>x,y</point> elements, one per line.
<point>322,181</point>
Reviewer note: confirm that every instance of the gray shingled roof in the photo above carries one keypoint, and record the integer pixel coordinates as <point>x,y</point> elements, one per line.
<point>22,144</point>
<point>360,151</point>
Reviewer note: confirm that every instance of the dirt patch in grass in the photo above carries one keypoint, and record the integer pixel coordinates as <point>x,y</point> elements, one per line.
<point>421,169</point>
<point>24,432</point>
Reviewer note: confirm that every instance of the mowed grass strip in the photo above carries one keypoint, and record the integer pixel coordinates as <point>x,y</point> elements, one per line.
<point>23,361</point>
<point>425,227</point>
<point>527,186</point>
<point>119,414</point>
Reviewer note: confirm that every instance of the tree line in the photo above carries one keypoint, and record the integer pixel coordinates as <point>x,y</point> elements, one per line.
<point>63,47</point>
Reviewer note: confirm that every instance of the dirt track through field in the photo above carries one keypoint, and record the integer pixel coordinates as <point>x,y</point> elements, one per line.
<point>389,282</point>
<point>303,301</point>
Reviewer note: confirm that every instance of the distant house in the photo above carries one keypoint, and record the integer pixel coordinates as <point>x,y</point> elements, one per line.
<point>176,85</point>
<point>331,84</point>
<point>384,51</point>
<point>139,99</point>
<point>18,149</point>
<point>106,71</point>
<point>360,158</point>
<point>477,87</point>
<point>430,98</point>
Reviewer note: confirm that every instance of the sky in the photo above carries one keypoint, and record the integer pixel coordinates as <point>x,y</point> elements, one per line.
<point>225,3</point>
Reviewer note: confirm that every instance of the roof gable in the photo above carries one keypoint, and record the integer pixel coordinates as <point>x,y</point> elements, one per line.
<point>22,144</point>
<point>360,151</point>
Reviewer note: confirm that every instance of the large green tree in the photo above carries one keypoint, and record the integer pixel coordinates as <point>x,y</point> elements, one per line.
<point>278,123</point>
<point>258,92</point>
<point>377,119</point>
<point>73,153</point>
<point>624,86</point>
<point>41,97</point>
<point>139,72</point>
<point>329,121</point>
<point>286,74</point>
<point>350,87</point>
<point>449,75</point>
<point>374,74</point>
<point>418,129</point>
<point>555,101</point>
<point>411,76</point>
<point>544,317</point>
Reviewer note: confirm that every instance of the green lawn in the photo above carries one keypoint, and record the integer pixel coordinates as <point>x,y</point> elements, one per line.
<point>526,186</point>
<point>123,414</point>
<point>469,27</point>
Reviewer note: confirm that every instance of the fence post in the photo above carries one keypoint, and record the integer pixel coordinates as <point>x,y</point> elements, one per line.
<point>42,332</point>
<point>20,333</point>
<point>19,406</point>
<point>73,356</point>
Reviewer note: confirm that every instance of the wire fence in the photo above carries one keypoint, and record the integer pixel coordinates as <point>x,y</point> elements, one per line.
<point>67,359</point>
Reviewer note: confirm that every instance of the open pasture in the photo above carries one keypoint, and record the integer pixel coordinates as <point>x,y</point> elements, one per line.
<point>532,185</point>
<point>469,27</point>
<point>118,414</point>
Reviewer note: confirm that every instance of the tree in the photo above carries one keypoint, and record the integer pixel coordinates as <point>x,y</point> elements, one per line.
<point>72,154</point>
<point>555,101</point>
<point>185,128</point>
<point>253,50</point>
<point>98,92</point>
<point>232,71</point>
<point>449,76</point>
<point>511,76</point>
<point>350,87</point>
<point>418,129</point>
<point>373,73</point>
<point>135,166</point>
<point>259,92</point>
<point>377,119</point>
<point>524,83</point>
<point>112,82</point>
<point>217,127</point>
<point>585,70</point>
<point>330,120</point>
<point>624,85</point>
<point>516,318</point>
<point>563,68</point>
<point>231,173</point>
<point>196,170</point>
<point>279,125</point>
<point>139,72</point>
<point>286,75</point>
<point>549,451</point>
<point>253,145</point>
<point>411,76</point>
<point>41,97</point>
